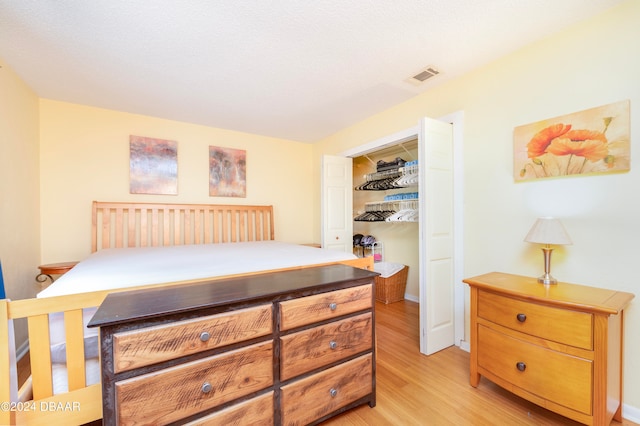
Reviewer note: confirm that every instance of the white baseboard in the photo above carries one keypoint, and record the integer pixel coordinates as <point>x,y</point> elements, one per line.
<point>411,298</point>
<point>465,346</point>
<point>631,413</point>
<point>22,350</point>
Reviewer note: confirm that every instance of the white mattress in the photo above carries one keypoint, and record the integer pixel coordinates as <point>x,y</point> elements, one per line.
<point>59,375</point>
<point>129,267</point>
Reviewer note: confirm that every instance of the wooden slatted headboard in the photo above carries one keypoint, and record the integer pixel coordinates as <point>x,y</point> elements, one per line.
<point>119,224</point>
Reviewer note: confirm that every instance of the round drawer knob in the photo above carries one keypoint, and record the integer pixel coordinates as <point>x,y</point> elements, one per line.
<point>521,366</point>
<point>206,387</point>
<point>521,317</point>
<point>333,344</point>
<point>333,306</point>
<point>333,393</point>
<point>204,336</point>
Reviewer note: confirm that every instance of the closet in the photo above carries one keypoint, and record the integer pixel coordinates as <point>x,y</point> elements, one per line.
<point>386,206</point>
<point>426,246</point>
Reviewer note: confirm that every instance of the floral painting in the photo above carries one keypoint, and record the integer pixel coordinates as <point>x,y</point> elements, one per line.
<point>593,141</point>
<point>227,172</point>
<point>153,166</point>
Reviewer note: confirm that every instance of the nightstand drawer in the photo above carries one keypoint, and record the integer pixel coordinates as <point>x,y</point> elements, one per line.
<point>320,394</point>
<point>146,346</point>
<point>554,376</point>
<point>559,325</point>
<point>310,309</point>
<point>195,386</point>
<point>309,349</point>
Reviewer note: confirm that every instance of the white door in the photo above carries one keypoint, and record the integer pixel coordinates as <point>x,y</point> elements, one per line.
<point>337,203</point>
<point>437,311</point>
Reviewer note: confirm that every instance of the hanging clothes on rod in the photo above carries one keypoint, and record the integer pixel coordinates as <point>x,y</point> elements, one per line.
<point>408,212</point>
<point>395,208</point>
<point>379,181</point>
<point>402,177</point>
<point>375,212</point>
<point>409,175</point>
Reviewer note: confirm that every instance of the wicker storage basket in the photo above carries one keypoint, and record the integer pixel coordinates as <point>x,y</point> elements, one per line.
<point>391,289</point>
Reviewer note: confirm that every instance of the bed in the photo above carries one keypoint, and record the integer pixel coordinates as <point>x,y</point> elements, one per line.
<point>160,244</point>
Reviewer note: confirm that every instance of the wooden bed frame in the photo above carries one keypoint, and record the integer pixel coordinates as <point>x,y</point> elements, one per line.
<point>113,225</point>
<point>153,225</point>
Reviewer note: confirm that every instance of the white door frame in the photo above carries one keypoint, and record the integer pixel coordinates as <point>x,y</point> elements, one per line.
<point>457,120</point>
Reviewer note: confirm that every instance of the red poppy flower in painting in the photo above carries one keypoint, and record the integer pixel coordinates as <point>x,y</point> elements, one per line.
<point>589,144</point>
<point>541,140</point>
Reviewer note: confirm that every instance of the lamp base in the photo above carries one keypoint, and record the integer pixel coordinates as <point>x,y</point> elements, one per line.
<point>547,279</point>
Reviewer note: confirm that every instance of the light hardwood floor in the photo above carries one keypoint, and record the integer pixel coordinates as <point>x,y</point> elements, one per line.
<point>413,389</point>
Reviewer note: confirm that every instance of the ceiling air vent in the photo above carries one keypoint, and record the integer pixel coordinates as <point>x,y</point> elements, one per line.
<point>426,74</point>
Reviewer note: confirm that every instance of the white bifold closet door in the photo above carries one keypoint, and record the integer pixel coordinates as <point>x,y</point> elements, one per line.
<point>337,203</point>
<point>437,311</point>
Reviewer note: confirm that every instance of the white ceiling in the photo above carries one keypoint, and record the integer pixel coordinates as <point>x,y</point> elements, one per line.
<point>293,69</point>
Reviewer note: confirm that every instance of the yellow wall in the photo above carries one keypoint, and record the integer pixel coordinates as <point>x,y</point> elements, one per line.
<point>85,157</point>
<point>19,187</point>
<point>588,65</point>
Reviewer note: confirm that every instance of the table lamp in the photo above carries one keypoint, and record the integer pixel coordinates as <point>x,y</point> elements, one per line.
<point>548,231</point>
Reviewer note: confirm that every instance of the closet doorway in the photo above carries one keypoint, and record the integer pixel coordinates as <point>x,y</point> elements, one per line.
<point>441,293</point>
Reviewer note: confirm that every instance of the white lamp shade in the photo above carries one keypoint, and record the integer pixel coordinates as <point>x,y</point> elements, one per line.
<point>548,230</point>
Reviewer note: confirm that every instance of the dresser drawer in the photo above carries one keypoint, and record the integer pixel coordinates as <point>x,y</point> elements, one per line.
<point>305,350</point>
<point>561,378</point>
<point>256,412</point>
<point>146,346</point>
<point>177,392</point>
<point>559,325</point>
<point>320,394</point>
<point>310,309</point>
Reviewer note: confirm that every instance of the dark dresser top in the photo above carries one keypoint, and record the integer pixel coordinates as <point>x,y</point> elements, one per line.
<point>122,307</point>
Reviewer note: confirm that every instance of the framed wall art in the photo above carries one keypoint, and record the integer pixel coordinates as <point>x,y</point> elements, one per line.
<point>588,142</point>
<point>227,172</point>
<point>153,166</point>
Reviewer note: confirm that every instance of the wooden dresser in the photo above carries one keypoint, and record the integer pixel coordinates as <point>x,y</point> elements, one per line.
<point>293,347</point>
<point>559,346</point>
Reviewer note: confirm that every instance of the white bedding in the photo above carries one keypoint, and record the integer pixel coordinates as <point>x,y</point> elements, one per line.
<point>129,267</point>
<point>59,375</point>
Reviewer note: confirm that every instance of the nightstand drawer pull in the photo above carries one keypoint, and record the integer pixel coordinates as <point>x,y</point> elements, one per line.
<point>333,344</point>
<point>521,317</point>
<point>333,306</point>
<point>333,393</point>
<point>521,366</point>
<point>205,336</point>
<point>206,387</point>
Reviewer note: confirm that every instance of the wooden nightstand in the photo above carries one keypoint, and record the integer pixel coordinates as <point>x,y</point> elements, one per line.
<point>47,271</point>
<point>559,346</point>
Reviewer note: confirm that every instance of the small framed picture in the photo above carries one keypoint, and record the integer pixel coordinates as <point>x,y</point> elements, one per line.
<point>227,172</point>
